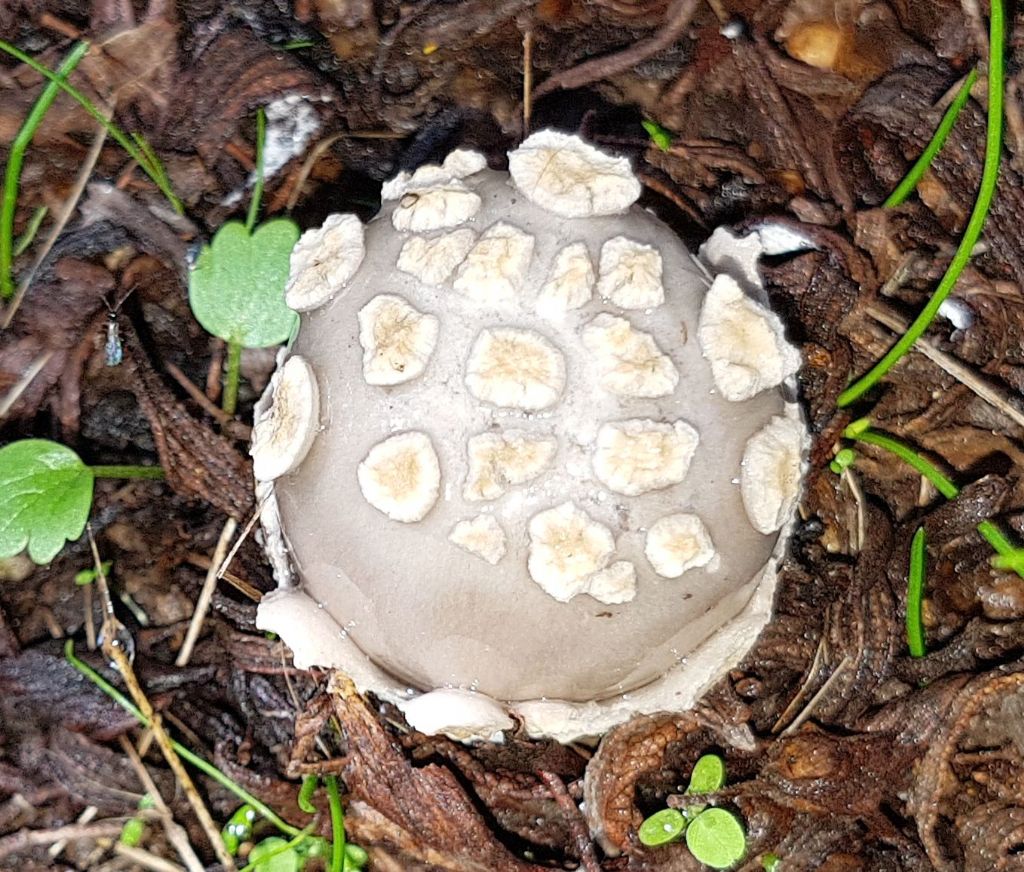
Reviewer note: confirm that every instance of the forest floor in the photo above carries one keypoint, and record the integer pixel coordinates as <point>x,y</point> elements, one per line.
<point>843,751</point>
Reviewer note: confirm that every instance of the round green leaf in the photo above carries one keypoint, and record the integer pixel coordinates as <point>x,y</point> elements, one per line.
<point>236,289</point>
<point>45,497</point>
<point>662,827</point>
<point>708,775</point>
<point>716,838</point>
<point>274,855</point>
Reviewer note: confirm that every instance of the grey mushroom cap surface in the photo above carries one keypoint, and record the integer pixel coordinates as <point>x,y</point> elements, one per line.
<point>429,613</point>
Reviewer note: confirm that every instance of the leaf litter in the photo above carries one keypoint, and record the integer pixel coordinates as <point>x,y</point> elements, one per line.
<point>836,740</point>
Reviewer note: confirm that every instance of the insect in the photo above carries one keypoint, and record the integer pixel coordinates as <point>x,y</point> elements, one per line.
<point>113,348</point>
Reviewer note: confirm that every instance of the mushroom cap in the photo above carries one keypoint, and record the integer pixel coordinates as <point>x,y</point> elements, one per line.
<point>432,613</point>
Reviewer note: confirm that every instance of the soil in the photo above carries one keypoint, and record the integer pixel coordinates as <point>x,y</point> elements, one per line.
<point>843,751</point>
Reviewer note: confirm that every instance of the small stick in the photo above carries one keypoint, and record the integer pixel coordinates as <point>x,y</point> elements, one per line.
<point>574,818</point>
<point>201,561</point>
<point>307,169</point>
<point>527,79</point>
<point>206,594</point>
<point>995,396</point>
<point>114,650</point>
<point>176,835</point>
<point>677,18</point>
<point>207,405</point>
<point>23,840</point>
<point>22,384</point>
<point>145,859</point>
<point>57,848</point>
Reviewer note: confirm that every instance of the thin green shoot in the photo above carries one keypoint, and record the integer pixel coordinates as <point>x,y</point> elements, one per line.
<point>296,44</point>
<point>232,376</point>
<point>309,786</point>
<point>942,484</point>
<point>915,595</point>
<point>1008,556</point>
<point>155,473</point>
<point>257,190</point>
<point>233,367</point>
<point>910,181</point>
<point>989,178</point>
<point>658,134</point>
<point>193,758</point>
<point>16,158</point>
<point>337,824</point>
<point>844,459</point>
<point>144,157</point>
<point>31,230</point>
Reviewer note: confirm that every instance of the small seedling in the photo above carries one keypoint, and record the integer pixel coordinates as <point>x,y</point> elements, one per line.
<point>135,828</point>
<point>843,460</point>
<point>658,134</point>
<point>46,494</point>
<point>662,827</point>
<point>236,287</point>
<point>771,863</point>
<point>714,836</point>
<point>88,576</point>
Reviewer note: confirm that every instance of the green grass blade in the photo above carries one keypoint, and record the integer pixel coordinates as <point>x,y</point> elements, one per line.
<point>118,135</point>
<point>34,223</point>
<point>915,595</point>
<point>16,158</point>
<point>909,182</point>
<point>183,752</point>
<point>989,177</point>
<point>942,484</point>
<point>257,190</point>
<point>337,823</point>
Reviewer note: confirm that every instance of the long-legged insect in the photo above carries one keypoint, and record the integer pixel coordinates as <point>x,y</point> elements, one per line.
<point>113,348</point>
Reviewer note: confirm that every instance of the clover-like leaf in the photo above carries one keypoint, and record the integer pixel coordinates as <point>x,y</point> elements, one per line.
<point>708,774</point>
<point>662,827</point>
<point>236,288</point>
<point>274,854</point>
<point>716,838</point>
<point>45,497</point>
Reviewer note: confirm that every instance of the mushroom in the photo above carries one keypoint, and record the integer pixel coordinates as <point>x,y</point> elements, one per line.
<point>547,471</point>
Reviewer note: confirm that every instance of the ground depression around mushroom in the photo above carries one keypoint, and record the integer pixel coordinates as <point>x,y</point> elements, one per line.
<point>547,466</point>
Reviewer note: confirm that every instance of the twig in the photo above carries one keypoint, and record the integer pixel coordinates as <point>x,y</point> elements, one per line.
<point>23,840</point>
<point>201,561</point>
<point>114,650</point>
<point>17,389</point>
<point>176,834</point>
<point>808,709</point>
<point>225,562</point>
<point>527,79</point>
<point>998,398</point>
<point>574,819</point>
<point>57,848</point>
<point>145,859</point>
<point>677,19</point>
<point>206,594</point>
<point>203,401</point>
<point>314,155</point>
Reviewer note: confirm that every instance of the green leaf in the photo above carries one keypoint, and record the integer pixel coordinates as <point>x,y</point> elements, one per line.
<point>274,854</point>
<point>771,862</point>
<point>662,827</point>
<point>708,775</point>
<point>45,497</point>
<point>658,134</point>
<point>132,832</point>
<point>716,838</point>
<point>236,289</point>
<point>88,576</point>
